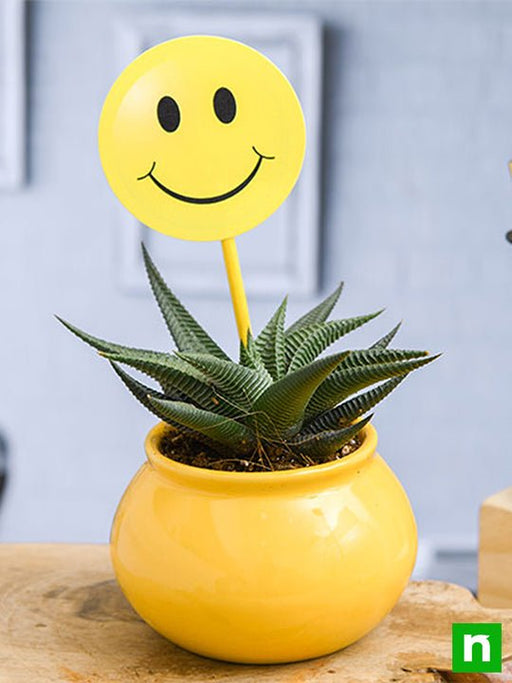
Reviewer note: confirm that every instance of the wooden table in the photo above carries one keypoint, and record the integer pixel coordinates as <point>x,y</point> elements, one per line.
<point>63,618</point>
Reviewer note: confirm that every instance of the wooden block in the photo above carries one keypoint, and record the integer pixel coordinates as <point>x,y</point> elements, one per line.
<point>63,618</point>
<point>495,551</point>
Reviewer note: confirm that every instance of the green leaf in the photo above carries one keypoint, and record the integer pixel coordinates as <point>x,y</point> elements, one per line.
<point>175,375</point>
<point>185,330</point>
<point>270,343</point>
<point>95,342</point>
<point>346,381</point>
<point>373,356</point>
<point>140,391</point>
<point>237,384</point>
<point>169,371</point>
<point>349,411</point>
<point>143,394</point>
<point>282,405</point>
<point>250,357</point>
<point>386,340</point>
<point>319,314</point>
<point>222,430</point>
<point>325,444</point>
<point>304,345</point>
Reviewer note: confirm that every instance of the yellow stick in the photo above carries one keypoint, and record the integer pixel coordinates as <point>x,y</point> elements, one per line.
<point>236,287</point>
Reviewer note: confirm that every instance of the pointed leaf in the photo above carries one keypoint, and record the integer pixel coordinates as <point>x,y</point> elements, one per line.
<point>270,343</point>
<point>237,384</point>
<point>372,356</point>
<point>185,330</point>
<point>325,444</point>
<point>319,314</point>
<point>169,371</point>
<point>349,411</point>
<point>143,394</point>
<point>250,357</point>
<point>175,375</point>
<point>347,381</point>
<point>222,430</point>
<point>303,346</point>
<point>97,343</point>
<point>140,391</point>
<point>386,340</point>
<point>282,405</point>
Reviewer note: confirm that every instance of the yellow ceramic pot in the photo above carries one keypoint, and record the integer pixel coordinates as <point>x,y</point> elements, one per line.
<point>264,567</point>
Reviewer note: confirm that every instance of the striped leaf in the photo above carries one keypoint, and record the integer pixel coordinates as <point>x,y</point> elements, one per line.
<point>349,411</point>
<point>281,407</point>
<point>270,343</point>
<point>240,385</point>
<point>169,371</point>
<point>325,444</point>
<point>349,380</point>
<point>222,430</point>
<point>175,375</point>
<point>99,344</point>
<point>188,335</point>
<point>143,393</point>
<point>250,357</point>
<point>386,340</point>
<point>140,391</point>
<point>319,314</point>
<point>372,356</point>
<point>307,343</point>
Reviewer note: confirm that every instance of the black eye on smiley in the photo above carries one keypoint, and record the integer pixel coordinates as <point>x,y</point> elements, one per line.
<point>224,105</point>
<point>169,118</point>
<point>168,114</point>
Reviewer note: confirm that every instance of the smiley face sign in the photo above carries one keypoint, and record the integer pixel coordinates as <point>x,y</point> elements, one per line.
<point>201,138</point>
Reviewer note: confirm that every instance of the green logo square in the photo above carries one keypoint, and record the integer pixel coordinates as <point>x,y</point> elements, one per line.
<point>476,648</point>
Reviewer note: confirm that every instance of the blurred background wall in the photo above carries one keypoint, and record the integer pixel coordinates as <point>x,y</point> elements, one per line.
<point>416,126</point>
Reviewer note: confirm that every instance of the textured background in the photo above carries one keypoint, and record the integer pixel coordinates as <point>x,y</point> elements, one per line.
<point>417,132</point>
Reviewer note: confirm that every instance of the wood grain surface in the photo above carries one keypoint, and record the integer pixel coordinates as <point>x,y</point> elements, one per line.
<point>63,618</point>
<point>495,551</point>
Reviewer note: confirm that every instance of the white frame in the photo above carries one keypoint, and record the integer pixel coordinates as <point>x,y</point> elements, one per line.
<point>12,93</point>
<point>138,31</point>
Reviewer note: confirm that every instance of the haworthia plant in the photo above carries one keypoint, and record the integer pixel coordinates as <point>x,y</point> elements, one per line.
<point>282,392</point>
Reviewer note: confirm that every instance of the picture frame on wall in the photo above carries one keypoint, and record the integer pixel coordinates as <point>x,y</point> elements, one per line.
<point>12,93</point>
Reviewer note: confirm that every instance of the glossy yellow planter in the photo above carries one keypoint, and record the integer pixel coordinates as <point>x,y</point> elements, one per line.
<point>264,567</point>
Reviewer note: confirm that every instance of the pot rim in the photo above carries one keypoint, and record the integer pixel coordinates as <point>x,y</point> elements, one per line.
<point>200,477</point>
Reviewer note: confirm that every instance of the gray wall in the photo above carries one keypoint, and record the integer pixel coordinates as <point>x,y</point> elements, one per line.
<point>417,134</point>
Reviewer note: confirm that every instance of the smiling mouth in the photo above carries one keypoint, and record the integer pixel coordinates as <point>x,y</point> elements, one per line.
<point>207,200</point>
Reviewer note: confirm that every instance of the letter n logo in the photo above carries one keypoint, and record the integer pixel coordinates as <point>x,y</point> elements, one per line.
<point>476,648</point>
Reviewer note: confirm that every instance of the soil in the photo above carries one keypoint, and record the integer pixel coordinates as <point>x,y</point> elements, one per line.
<point>183,448</point>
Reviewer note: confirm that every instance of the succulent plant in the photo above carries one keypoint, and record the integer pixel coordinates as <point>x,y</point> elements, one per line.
<point>282,394</point>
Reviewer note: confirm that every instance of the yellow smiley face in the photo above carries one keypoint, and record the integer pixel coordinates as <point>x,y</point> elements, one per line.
<point>201,138</point>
